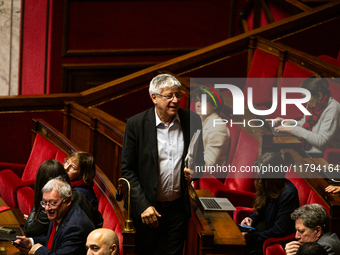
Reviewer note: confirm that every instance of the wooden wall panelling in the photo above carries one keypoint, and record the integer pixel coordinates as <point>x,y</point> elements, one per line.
<point>77,126</point>
<point>107,149</point>
<point>102,27</point>
<point>221,50</point>
<point>98,133</point>
<point>15,138</point>
<point>80,77</point>
<point>290,26</point>
<point>41,127</point>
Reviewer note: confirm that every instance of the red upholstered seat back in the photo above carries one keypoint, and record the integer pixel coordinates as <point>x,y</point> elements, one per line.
<point>263,66</point>
<point>25,198</point>
<point>316,199</point>
<point>335,90</point>
<point>42,150</point>
<point>246,153</point>
<point>291,71</point>
<point>111,220</point>
<point>332,155</point>
<point>182,102</point>
<point>306,194</point>
<point>329,59</point>
<point>277,13</point>
<point>60,156</point>
<point>234,137</point>
<point>303,188</point>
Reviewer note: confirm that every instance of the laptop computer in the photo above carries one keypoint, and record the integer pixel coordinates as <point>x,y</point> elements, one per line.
<point>211,203</point>
<point>271,128</point>
<point>216,204</point>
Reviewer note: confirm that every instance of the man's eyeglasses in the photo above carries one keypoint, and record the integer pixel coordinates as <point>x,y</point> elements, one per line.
<point>52,204</point>
<point>170,96</point>
<point>67,164</point>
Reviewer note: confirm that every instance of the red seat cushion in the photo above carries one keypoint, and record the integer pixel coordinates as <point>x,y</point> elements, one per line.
<point>277,13</point>
<point>316,199</point>
<point>239,186</point>
<point>42,150</point>
<point>235,131</point>
<point>110,217</point>
<point>275,249</point>
<point>329,59</point>
<point>25,198</point>
<point>210,183</point>
<point>263,67</point>
<point>335,90</point>
<point>245,155</point>
<point>303,188</point>
<point>241,212</point>
<point>332,156</point>
<point>291,71</point>
<point>10,182</point>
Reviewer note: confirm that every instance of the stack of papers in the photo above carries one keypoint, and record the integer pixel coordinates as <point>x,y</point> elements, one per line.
<point>190,159</point>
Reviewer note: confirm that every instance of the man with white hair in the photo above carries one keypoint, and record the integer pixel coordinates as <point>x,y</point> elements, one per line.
<point>69,225</point>
<point>155,145</point>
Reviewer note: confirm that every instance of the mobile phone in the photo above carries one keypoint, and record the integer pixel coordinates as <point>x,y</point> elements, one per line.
<point>17,244</point>
<point>245,228</point>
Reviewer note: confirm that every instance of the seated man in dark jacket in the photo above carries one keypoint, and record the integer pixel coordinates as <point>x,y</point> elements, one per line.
<point>69,225</point>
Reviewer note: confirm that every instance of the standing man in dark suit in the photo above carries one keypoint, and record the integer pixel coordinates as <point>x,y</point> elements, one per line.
<point>69,226</point>
<point>155,145</point>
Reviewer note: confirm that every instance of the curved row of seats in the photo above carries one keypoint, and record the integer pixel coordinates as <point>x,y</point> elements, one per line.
<point>239,187</point>
<point>17,186</point>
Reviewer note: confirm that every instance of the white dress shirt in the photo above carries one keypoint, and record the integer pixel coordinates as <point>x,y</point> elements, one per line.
<point>170,145</point>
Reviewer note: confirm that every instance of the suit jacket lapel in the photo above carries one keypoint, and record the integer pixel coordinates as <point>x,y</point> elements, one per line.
<point>63,223</point>
<point>152,134</point>
<point>185,123</point>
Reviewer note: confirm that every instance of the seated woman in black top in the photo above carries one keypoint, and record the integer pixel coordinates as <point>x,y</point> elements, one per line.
<point>276,198</point>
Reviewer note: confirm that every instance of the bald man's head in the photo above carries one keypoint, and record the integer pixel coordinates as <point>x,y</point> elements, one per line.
<point>102,241</point>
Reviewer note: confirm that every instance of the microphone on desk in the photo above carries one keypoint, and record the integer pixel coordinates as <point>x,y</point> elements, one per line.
<point>119,196</point>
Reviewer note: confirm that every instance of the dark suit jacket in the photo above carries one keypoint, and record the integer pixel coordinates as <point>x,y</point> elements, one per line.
<point>140,157</point>
<point>71,235</point>
<point>331,243</point>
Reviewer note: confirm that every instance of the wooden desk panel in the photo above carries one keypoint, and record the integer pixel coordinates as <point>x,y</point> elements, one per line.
<point>217,231</point>
<point>8,219</point>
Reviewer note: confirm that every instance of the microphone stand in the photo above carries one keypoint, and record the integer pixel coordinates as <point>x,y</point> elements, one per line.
<point>128,222</point>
